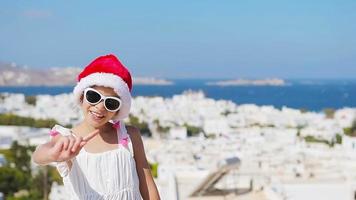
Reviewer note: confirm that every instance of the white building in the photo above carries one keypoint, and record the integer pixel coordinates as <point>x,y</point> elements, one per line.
<point>349,143</point>
<point>178,133</point>
<point>58,192</point>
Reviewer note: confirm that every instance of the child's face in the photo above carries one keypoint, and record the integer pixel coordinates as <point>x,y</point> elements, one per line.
<point>97,115</point>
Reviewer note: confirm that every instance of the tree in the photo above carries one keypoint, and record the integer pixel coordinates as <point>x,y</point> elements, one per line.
<point>329,113</point>
<point>192,130</point>
<point>17,175</point>
<point>21,156</point>
<point>42,181</point>
<point>351,131</point>
<point>30,100</point>
<point>160,128</point>
<point>303,110</point>
<point>226,112</point>
<point>11,180</point>
<point>143,126</point>
<point>338,138</point>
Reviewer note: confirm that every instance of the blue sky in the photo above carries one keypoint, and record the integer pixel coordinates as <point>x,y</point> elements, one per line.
<point>186,39</point>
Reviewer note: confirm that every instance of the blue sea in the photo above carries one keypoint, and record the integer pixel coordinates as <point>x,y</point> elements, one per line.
<point>313,95</point>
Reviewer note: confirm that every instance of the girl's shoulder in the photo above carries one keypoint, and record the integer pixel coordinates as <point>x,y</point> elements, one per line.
<point>136,139</point>
<point>132,129</point>
<point>133,132</point>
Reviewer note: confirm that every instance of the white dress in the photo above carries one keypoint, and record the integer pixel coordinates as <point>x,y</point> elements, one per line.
<point>108,175</point>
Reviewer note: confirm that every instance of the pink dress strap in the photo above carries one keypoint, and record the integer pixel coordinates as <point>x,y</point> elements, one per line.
<point>122,135</point>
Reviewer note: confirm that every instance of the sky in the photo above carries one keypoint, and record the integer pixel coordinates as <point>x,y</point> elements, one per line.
<point>186,39</point>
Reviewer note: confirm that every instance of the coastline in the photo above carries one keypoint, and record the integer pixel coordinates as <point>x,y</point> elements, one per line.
<point>314,96</point>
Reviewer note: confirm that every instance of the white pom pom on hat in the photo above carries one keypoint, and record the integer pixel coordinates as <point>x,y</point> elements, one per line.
<point>107,71</point>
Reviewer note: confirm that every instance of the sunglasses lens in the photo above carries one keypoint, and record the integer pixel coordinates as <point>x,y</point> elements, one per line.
<point>112,104</point>
<point>92,96</point>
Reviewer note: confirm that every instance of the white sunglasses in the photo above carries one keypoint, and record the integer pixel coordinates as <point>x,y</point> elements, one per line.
<point>93,97</point>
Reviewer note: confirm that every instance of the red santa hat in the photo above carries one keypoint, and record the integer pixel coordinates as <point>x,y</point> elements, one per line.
<point>107,71</point>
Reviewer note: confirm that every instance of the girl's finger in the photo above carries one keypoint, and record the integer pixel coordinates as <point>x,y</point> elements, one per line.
<point>78,140</point>
<point>91,135</point>
<point>58,147</point>
<point>71,142</point>
<point>82,144</point>
<point>65,141</point>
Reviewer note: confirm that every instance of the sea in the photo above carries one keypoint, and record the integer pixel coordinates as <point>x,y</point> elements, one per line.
<point>309,95</point>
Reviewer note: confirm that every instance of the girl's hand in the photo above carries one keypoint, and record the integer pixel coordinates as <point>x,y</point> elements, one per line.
<point>67,147</point>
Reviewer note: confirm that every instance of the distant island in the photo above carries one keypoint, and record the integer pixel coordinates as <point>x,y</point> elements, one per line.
<point>247,82</point>
<point>13,75</point>
<point>151,81</point>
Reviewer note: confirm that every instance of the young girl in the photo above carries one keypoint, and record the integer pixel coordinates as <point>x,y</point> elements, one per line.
<point>101,158</point>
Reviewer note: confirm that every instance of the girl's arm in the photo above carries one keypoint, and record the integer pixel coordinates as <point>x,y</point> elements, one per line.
<point>41,156</point>
<point>148,187</point>
<point>60,148</point>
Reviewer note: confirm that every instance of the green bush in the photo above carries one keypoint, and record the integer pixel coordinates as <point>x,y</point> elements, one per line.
<point>351,131</point>
<point>17,175</point>
<point>312,139</point>
<point>14,120</point>
<point>303,110</point>
<point>30,100</point>
<point>192,130</point>
<point>226,113</point>
<point>154,169</point>
<point>338,139</point>
<point>160,128</point>
<point>11,180</point>
<point>143,126</point>
<point>329,113</point>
